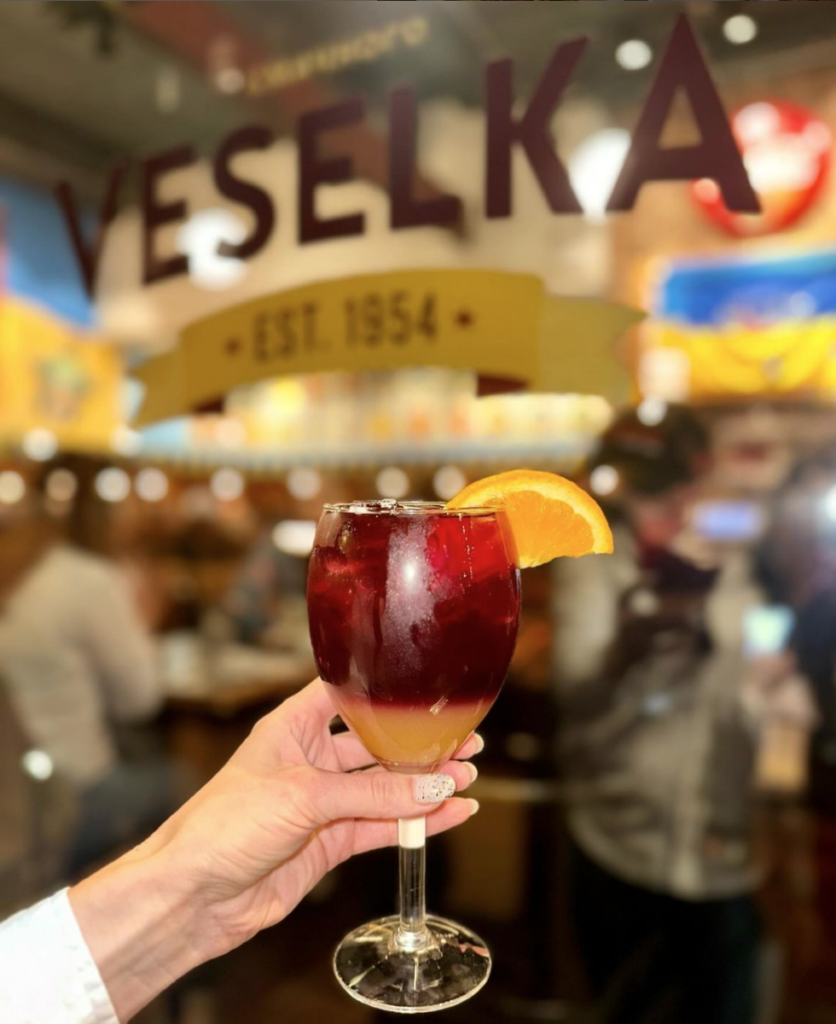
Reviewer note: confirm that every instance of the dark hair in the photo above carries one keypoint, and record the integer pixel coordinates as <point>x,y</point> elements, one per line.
<point>88,525</point>
<point>652,458</point>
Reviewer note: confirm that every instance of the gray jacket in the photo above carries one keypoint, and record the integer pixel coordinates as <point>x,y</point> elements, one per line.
<point>657,744</point>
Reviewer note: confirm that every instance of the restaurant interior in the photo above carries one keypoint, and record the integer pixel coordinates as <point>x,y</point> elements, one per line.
<point>209,517</point>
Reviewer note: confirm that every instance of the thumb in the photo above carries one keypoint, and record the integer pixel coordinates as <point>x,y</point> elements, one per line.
<point>376,794</point>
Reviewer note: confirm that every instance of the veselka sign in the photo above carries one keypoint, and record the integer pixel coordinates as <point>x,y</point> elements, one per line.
<point>509,126</point>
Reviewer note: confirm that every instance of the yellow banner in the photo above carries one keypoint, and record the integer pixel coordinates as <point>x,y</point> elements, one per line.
<point>787,360</point>
<point>53,376</point>
<point>496,324</point>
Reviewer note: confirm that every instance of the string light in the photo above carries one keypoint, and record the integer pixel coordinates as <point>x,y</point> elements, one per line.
<point>604,480</point>
<point>304,483</point>
<point>151,485</point>
<point>227,485</point>
<point>740,29</point>
<point>230,80</point>
<point>113,485</point>
<point>652,411</point>
<point>634,54</point>
<point>61,486</point>
<point>40,444</point>
<point>295,537</point>
<point>12,487</point>
<point>448,481</point>
<point>392,483</point>
<point>37,764</point>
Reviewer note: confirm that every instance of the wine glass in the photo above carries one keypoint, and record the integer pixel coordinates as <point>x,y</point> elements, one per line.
<point>413,615</point>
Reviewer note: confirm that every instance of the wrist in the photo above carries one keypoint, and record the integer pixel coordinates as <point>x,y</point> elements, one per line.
<point>140,926</point>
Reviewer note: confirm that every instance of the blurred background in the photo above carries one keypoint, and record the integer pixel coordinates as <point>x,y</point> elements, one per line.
<point>657,837</point>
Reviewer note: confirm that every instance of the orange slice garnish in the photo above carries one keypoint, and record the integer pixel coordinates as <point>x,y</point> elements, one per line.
<point>549,516</point>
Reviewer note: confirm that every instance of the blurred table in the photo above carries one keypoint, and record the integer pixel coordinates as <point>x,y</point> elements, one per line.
<point>214,695</point>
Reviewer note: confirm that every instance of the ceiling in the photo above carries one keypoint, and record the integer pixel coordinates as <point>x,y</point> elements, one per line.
<point>462,38</point>
<point>84,84</point>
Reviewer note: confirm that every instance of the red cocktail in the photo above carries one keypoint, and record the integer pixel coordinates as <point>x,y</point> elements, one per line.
<point>413,613</point>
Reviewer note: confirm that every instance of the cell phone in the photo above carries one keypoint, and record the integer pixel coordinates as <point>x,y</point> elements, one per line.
<point>728,522</point>
<point>767,630</point>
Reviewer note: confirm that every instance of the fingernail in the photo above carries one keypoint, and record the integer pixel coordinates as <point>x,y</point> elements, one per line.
<point>474,807</point>
<point>474,771</point>
<point>480,743</point>
<point>433,789</point>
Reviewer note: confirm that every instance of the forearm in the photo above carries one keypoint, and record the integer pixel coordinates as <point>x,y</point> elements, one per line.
<point>140,928</point>
<point>247,848</point>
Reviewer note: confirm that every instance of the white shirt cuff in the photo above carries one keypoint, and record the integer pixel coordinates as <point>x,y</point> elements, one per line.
<point>47,975</point>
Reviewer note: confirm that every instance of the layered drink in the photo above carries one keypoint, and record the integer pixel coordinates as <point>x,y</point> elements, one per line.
<point>413,613</point>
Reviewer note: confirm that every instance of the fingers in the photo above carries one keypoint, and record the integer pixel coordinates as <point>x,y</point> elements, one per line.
<point>473,745</point>
<point>372,835</point>
<point>311,710</point>
<point>305,714</point>
<point>334,795</point>
<point>351,753</point>
<point>312,704</point>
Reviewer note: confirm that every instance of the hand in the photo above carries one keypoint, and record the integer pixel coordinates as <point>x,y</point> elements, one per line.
<point>288,807</point>
<point>768,671</point>
<point>283,812</point>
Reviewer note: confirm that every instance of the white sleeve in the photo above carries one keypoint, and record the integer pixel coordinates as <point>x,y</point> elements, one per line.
<point>47,975</point>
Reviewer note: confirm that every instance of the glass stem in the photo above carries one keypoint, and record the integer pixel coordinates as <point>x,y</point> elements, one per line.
<point>413,934</point>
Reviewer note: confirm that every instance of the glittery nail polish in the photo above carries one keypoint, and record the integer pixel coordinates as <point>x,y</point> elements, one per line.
<point>433,789</point>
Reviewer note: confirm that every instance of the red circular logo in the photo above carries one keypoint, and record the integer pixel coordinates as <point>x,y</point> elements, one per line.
<point>787,152</point>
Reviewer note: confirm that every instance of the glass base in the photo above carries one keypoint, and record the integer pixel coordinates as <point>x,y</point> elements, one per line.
<point>448,968</point>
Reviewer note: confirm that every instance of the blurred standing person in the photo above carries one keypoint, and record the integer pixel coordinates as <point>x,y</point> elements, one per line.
<point>659,744</point>
<point>797,560</point>
<point>268,587</point>
<point>76,657</point>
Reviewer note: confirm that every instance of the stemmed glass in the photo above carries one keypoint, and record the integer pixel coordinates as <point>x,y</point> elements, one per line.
<point>413,614</point>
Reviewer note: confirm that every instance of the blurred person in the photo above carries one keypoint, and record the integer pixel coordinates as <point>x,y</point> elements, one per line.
<point>76,658</point>
<point>797,560</point>
<point>660,714</point>
<point>268,586</point>
<point>290,805</point>
<point>798,564</point>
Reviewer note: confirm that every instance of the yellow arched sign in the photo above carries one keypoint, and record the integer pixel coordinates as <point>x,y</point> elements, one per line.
<point>497,324</point>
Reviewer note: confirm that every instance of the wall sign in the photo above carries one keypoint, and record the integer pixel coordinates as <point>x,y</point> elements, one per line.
<point>787,152</point>
<point>745,327</point>
<point>53,378</point>
<point>501,325</point>
<point>333,57</point>
<point>325,158</point>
